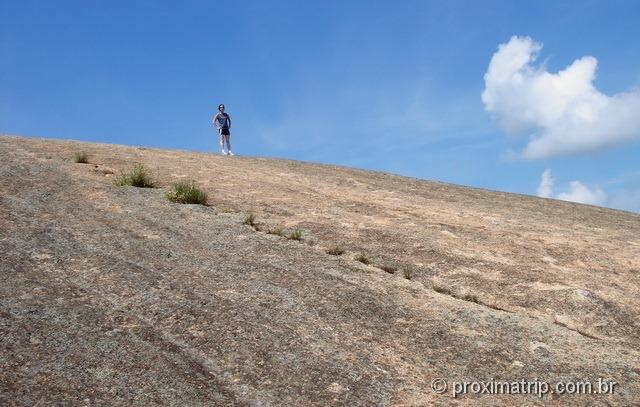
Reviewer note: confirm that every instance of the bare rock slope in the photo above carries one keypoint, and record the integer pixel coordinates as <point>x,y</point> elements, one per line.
<point>115,296</point>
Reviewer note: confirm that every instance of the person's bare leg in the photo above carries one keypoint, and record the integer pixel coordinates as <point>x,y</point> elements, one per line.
<point>228,139</point>
<point>222,143</point>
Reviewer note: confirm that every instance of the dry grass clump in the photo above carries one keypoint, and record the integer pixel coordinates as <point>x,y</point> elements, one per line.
<point>250,219</point>
<point>186,193</point>
<point>471,297</point>
<point>277,230</point>
<point>335,251</point>
<point>295,235</point>
<point>363,259</point>
<point>138,176</point>
<point>81,157</point>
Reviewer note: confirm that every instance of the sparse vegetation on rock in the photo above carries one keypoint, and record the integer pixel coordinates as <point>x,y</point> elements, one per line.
<point>335,251</point>
<point>138,176</point>
<point>249,219</point>
<point>122,290</point>
<point>471,297</point>
<point>186,193</point>
<point>363,259</point>
<point>296,234</point>
<point>277,230</point>
<point>407,273</point>
<point>81,158</point>
<point>464,294</point>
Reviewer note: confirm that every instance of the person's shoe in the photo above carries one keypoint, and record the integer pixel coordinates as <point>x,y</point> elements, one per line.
<point>229,153</point>
<point>223,153</point>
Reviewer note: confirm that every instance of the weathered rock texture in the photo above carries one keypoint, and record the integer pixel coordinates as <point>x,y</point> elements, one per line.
<point>115,296</point>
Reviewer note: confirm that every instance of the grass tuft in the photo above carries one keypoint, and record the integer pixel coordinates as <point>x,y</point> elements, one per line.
<point>136,177</point>
<point>277,230</point>
<point>250,219</point>
<point>81,158</point>
<point>363,259</point>
<point>295,235</point>
<point>335,251</point>
<point>470,297</point>
<point>186,193</point>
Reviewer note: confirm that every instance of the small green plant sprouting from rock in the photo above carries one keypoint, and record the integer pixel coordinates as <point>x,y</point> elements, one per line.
<point>295,235</point>
<point>186,193</point>
<point>363,259</point>
<point>277,230</point>
<point>335,251</point>
<point>136,177</point>
<point>81,158</point>
<point>250,219</point>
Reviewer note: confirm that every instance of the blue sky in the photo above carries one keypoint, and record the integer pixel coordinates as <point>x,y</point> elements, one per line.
<point>390,86</point>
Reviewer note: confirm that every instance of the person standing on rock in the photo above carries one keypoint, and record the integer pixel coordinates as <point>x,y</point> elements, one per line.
<point>222,122</point>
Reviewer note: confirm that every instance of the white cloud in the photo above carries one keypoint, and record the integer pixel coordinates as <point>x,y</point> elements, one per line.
<point>545,189</point>
<point>578,192</point>
<point>563,112</point>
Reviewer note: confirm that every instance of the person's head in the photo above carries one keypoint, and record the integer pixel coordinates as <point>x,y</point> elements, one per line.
<point>221,107</point>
